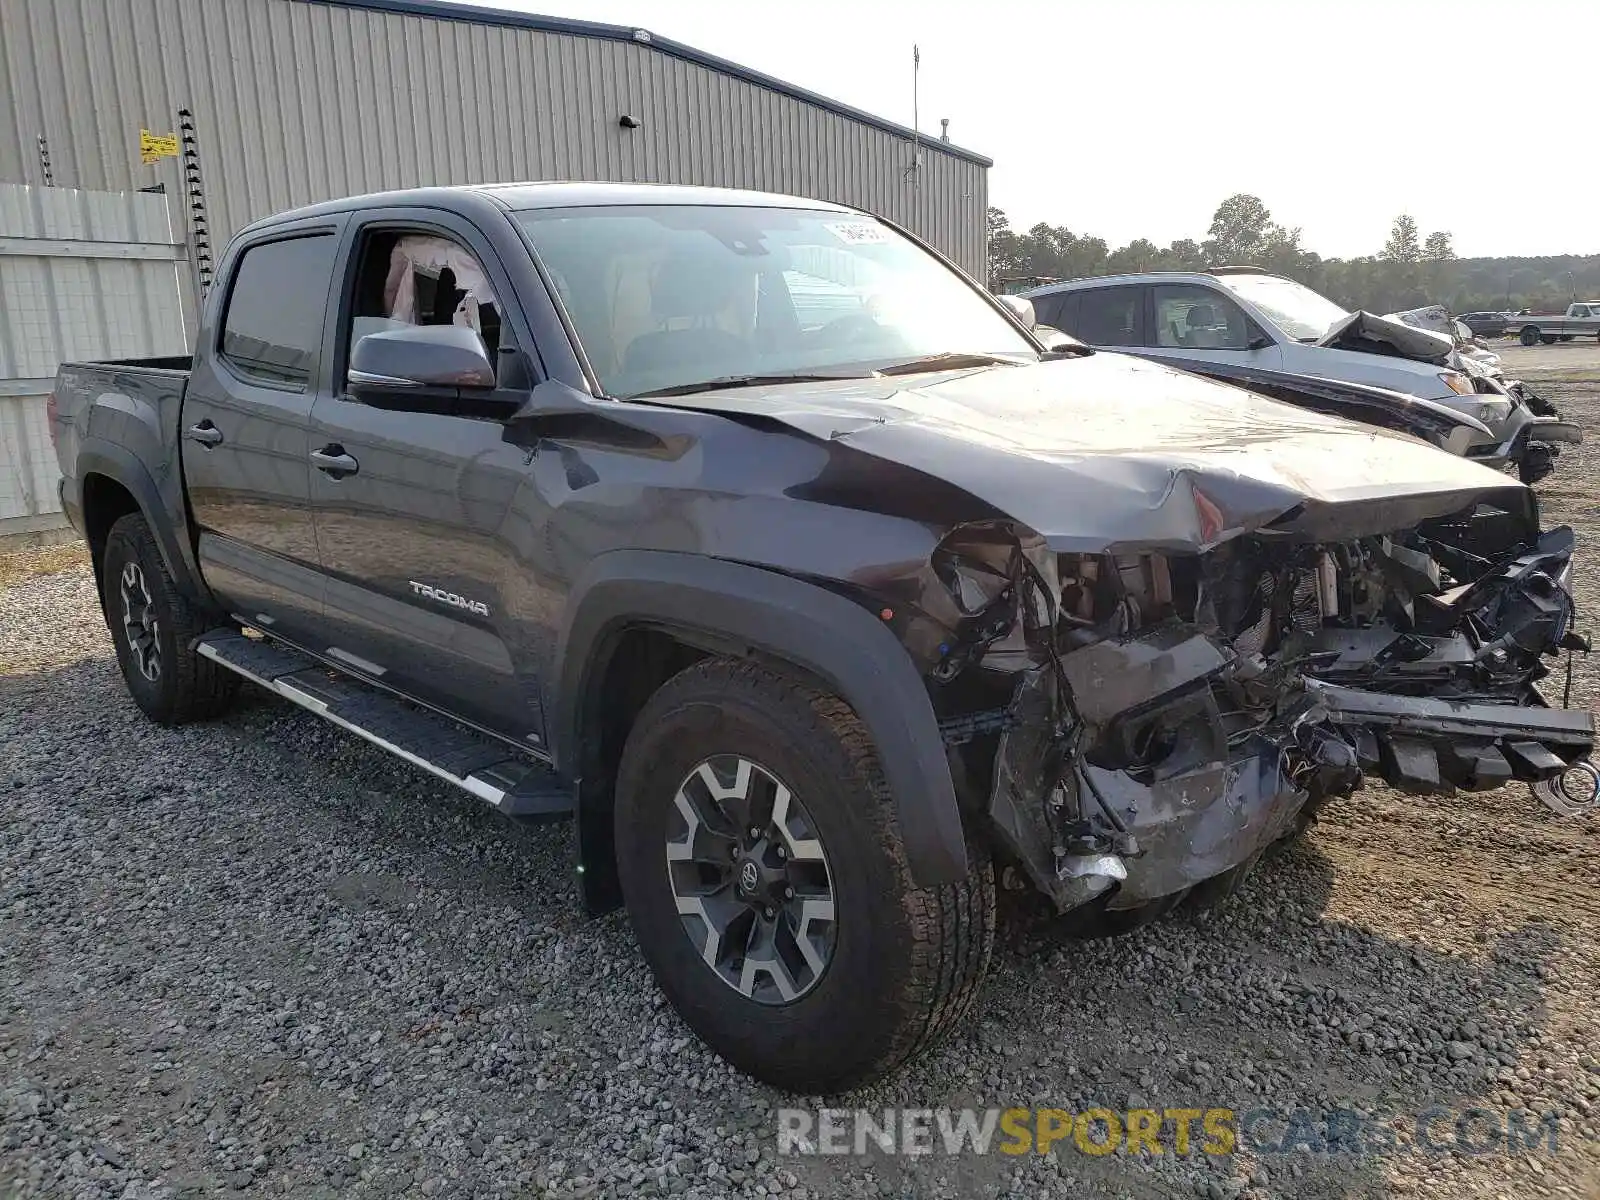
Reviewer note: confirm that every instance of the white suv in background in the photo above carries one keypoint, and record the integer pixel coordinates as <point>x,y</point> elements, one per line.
<point>1246,316</point>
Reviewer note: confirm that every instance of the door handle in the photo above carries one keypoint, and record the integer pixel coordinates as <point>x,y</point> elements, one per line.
<point>334,462</point>
<point>207,434</point>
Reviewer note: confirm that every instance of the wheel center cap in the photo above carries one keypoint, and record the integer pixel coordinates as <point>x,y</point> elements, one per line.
<point>749,877</point>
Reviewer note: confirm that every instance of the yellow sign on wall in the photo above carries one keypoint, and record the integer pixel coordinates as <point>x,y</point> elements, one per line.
<point>157,145</point>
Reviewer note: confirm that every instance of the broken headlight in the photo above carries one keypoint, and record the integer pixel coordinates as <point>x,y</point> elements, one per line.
<point>986,572</point>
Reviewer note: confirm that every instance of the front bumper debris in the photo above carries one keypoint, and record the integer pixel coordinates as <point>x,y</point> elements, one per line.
<point>1532,447</point>
<point>1430,746</point>
<point>1216,801</point>
<point>1132,770</point>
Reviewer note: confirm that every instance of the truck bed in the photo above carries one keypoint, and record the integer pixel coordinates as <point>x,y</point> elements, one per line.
<point>117,420</point>
<point>182,363</point>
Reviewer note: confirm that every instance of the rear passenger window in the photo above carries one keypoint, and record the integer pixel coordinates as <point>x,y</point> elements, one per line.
<point>272,327</point>
<point>1107,316</point>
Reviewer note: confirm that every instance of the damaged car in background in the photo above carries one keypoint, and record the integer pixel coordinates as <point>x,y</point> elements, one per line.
<point>756,538</point>
<point>1244,317</point>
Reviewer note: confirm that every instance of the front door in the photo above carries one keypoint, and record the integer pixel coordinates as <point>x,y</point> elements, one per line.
<point>413,488</point>
<point>244,431</point>
<point>1192,323</point>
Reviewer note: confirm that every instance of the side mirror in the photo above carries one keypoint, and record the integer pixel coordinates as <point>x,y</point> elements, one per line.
<point>422,356</point>
<point>1054,339</point>
<point>1021,308</point>
<point>1259,342</point>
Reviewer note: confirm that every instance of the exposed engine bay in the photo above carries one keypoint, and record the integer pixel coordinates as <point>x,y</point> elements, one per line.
<point>1137,725</point>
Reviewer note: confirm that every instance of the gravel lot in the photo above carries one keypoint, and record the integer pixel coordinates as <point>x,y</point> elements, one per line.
<point>260,957</point>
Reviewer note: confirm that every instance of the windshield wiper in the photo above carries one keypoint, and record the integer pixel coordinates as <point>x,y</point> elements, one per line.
<point>725,382</point>
<point>949,361</point>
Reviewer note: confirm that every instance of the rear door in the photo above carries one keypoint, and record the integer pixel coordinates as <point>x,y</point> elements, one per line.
<point>245,422</point>
<point>411,528</point>
<point>1058,310</point>
<point>1110,316</point>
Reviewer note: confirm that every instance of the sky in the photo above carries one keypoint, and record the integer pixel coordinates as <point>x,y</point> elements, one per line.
<point>1135,118</point>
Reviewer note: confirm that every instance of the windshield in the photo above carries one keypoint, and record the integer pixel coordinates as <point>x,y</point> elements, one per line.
<point>1292,307</point>
<point>664,296</point>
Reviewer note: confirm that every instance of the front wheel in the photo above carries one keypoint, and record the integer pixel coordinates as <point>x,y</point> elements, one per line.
<point>767,883</point>
<point>153,627</point>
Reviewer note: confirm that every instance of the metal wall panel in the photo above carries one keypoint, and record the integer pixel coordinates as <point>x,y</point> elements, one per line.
<point>82,275</point>
<point>297,101</point>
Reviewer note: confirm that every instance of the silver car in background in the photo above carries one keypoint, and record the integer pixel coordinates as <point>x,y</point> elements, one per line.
<point>1250,318</point>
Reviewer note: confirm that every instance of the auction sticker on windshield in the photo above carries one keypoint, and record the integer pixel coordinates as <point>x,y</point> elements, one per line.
<point>859,233</point>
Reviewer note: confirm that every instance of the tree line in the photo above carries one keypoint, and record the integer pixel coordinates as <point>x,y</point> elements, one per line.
<point>1411,270</point>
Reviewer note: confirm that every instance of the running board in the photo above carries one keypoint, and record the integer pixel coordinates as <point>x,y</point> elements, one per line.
<point>473,762</point>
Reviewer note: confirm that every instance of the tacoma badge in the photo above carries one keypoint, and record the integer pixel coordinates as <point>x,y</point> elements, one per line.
<point>443,597</point>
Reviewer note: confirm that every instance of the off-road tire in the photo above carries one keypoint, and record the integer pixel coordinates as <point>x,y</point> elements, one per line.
<point>187,686</point>
<point>1529,336</point>
<point>908,961</point>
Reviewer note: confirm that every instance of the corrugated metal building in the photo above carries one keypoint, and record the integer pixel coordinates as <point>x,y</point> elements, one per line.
<point>82,275</point>
<point>295,101</point>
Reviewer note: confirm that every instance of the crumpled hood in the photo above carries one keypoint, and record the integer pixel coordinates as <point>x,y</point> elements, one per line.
<point>1109,452</point>
<point>1386,335</point>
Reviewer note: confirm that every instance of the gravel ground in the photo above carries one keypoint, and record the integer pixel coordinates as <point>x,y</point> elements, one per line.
<point>260,957</point>
<point>1581,357</point>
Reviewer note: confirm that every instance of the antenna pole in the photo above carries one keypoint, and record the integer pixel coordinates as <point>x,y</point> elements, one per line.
<point>914,172</point>
<point>916,128</point>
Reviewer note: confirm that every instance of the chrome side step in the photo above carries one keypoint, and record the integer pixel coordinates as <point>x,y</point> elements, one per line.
<point>473,762</point>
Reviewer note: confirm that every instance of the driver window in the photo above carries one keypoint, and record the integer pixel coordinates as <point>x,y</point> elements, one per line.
<point>417,278</point>
<point>1197,318</point>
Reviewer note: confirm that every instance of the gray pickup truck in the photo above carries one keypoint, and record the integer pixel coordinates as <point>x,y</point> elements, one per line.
<point>752,535</point>
<point>1581,318</point>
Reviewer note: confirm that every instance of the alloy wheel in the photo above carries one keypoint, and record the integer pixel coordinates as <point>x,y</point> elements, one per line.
<point>750,880</point>
<point>139,623</point>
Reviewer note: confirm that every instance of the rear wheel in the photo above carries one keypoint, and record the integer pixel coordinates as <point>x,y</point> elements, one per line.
<point>767,883</point>
<point>1529,336</point>
<point>153,628</point>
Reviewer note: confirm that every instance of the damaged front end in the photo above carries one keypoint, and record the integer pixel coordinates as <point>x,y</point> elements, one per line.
<point>1137,725</point>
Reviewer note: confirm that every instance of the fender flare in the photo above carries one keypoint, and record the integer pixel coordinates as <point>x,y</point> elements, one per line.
<point>96,456</point>
<point>743,609</point>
